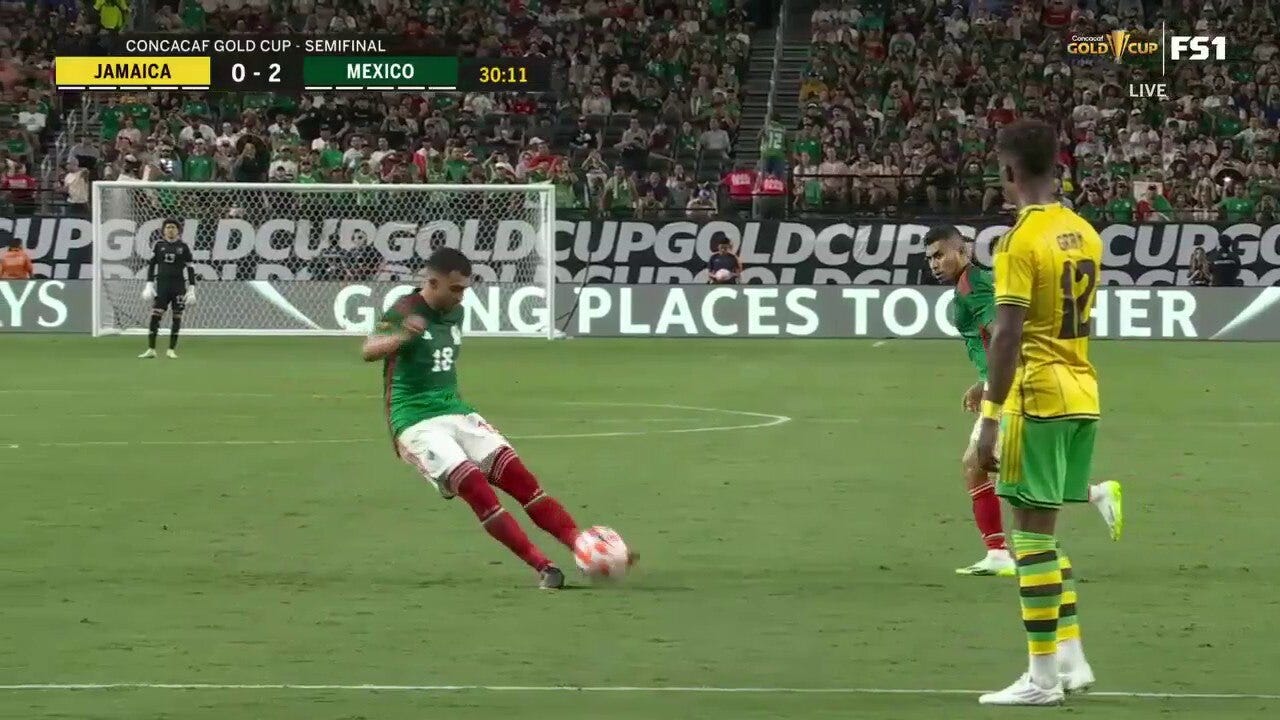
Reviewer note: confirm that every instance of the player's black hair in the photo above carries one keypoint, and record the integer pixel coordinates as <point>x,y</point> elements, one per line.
<point>447,260</point>
<point>1032,145</point>
<point>942,232</point>
<point>170,221</point>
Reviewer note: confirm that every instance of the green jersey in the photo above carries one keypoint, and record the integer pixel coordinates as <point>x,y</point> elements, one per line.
<point>420,381</point>
<point>110,116</point>
<point>972,312</point>
<point>197,168</point>
<point>330,157</point>
<point>141,114</point>
<point>1236,209</point>
<point>1121,209</point>
<point>774,142</point>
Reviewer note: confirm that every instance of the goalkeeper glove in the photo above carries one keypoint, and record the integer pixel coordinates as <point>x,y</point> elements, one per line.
<point>149,291</point>
<point>190,297</point>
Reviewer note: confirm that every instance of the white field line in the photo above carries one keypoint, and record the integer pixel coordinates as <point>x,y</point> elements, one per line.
<point>184,393</point>
<point>762,420</point>
<point>601,689</point>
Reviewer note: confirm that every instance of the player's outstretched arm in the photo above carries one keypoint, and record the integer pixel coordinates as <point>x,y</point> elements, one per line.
<point>378,347</point>
<point>388,341</point>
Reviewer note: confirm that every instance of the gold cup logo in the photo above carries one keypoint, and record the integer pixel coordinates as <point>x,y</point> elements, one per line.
<point>1119,39</point>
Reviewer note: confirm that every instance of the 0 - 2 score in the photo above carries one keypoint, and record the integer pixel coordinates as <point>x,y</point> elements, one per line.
<point>238,73</point>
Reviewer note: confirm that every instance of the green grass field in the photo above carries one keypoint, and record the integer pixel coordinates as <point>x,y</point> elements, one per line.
<point>236,518</point>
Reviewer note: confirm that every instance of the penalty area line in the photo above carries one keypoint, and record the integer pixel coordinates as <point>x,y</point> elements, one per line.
<point>598,689</point>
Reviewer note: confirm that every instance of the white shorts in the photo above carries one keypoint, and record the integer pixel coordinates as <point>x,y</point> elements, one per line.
<point>971,450</point>
<point>436,447</point>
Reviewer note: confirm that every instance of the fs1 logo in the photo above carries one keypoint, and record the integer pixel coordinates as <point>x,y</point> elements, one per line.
<point>1196,47</point>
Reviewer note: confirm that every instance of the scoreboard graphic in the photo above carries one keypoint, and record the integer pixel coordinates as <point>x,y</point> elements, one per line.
<point>281,63</point>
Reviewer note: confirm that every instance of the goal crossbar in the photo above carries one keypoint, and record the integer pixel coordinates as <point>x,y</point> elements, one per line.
<point>293,259</point>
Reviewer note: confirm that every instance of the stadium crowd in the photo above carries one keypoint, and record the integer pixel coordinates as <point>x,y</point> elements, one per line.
<point>901,102</point>
<point>899,106</point>
<point>644,115</point>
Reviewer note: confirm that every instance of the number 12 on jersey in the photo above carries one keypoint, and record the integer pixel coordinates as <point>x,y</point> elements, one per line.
<point>1077,306</point>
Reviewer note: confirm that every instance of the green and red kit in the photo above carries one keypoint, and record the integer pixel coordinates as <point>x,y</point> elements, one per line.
<point>972,312</point>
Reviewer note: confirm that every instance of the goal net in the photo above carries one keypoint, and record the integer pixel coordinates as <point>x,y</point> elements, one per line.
<point>324,259</point>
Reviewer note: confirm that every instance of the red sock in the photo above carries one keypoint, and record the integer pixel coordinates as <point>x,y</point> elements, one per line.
<point>473,488</point>
<point>510,474</point>
<point>986,513</point>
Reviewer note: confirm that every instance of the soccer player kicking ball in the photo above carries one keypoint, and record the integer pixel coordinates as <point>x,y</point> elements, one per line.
<point>1041,403</point>
<point>166,288</point>
<point>420,343</point>
<point>973,311</point>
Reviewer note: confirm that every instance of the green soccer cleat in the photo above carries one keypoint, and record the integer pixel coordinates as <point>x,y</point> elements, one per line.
<point>1108,498</point>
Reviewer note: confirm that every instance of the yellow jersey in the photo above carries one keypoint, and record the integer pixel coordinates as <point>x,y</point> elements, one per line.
<point>1049,263</point>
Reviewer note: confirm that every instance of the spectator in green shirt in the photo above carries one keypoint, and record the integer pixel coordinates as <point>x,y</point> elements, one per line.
<point>566,184</point>
<point>109,117</point>
<point>1090,207</point>
<point>307,174</point>
<point>331,157</point>
<point>198,167</point>
<point>18,146</point>
<point>1234,208</point>
<point>773,148</point>
<point>1121,207</point>
<point>141,112</point>
<point>193,17</point>
<point>456,167</point>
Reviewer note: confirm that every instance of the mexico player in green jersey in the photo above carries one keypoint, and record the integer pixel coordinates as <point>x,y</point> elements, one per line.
<point>419,341</point>
<point>973,311</point>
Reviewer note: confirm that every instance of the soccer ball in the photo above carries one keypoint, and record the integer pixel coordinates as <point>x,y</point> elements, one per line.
<point>722,275</point>
<point>600,552</point>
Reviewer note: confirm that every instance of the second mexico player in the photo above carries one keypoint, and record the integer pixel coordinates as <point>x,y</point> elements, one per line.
<point>1041,403</point>
<point>436,431</point>
<point>972,313</point>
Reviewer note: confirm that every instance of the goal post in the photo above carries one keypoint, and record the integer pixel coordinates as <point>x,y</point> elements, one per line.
<point>324,259</point>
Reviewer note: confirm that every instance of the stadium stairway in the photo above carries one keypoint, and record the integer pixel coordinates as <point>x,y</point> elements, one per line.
<point>755,98</point>
<point>796,37</point>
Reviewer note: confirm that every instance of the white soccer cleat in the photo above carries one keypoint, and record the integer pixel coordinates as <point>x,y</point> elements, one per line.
<point>1024,691</point>
<point>1078,679</point>
<point>1108,498</point>
<point>997,563</point>
<point>150,353</point>
<point>171,354</point>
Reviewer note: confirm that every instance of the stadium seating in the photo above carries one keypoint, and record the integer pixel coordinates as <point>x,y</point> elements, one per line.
<point>900,103</point>
<point>895,110</point>
<point>642,90</point>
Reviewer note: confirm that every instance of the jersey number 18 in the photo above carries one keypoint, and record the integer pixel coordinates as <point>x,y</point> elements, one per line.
<point>443,360</point>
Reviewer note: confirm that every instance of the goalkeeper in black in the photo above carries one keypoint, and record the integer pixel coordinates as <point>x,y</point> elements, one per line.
<point>171,283</point>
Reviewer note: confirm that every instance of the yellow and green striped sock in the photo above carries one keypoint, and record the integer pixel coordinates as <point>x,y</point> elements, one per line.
<point>1039,589</point>
<point>1068,623</point>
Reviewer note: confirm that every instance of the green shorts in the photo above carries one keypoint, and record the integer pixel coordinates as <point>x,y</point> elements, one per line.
<point>1044,463</point>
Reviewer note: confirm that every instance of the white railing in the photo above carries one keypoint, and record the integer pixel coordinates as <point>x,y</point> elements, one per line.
<point>778,40</point>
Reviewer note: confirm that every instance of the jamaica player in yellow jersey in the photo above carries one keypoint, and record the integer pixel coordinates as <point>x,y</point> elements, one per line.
<point>1041,402</point>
